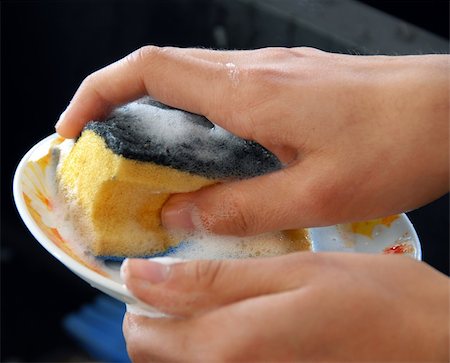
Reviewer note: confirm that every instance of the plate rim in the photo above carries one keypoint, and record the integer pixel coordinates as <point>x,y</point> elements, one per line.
<point>45,242</point>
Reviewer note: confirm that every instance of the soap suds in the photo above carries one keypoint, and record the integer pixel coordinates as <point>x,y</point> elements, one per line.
<point>204,245</point>
<point>66,214</point>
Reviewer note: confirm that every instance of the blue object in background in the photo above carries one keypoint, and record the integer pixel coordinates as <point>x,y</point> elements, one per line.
<point>98,329</point>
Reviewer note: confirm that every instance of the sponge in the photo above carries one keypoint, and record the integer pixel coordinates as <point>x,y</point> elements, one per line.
<point>122,170</point>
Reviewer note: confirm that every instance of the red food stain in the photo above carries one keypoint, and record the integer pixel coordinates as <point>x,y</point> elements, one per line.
<point>399,248</point>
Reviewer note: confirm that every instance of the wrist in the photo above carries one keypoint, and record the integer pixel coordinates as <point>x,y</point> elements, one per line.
<point>413,94</point>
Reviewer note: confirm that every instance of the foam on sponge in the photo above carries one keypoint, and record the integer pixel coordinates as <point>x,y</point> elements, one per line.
<point>121,171</point>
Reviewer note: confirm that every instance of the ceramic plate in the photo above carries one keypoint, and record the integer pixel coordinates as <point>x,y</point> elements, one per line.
<point>35,200</point>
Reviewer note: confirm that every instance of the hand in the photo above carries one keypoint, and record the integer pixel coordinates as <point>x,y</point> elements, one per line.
<point>298,307</point>
<point>362,137</point>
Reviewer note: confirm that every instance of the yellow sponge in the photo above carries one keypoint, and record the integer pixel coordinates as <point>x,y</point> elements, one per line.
<point>120,199</point>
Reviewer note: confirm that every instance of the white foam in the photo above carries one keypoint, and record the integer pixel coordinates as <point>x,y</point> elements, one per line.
<point>164,125</point>
<point>204,245</point>
<point>66,215</point>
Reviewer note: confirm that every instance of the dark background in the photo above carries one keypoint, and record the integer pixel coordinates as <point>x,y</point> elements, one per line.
<point>47,48</point>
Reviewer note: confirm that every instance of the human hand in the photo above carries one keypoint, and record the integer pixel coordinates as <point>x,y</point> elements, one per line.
<point>362,137</point>
<point>298,307</point>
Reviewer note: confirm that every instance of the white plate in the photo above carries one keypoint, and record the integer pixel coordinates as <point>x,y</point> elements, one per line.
<point>34,197</point>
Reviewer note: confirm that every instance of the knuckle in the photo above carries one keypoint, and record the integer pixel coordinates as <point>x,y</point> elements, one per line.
<point>284,54</point>
<point>142,55</point>
<point>244,219</point>
<point>90,81</point>
<point>243,223</point>
<point>228,211</point>
<point>91,87</point>
<point>232,213</point>
<point>305,51</point>
<point>207,272</point>
<point>280,53</point>
<point>260,84</point>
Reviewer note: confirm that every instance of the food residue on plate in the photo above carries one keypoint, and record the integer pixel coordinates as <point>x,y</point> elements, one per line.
<point>367,228</point>
<point>399,248</point>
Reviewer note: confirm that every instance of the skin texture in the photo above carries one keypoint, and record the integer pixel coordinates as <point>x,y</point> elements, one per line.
<point>299,307</point>
<point>361,137</point>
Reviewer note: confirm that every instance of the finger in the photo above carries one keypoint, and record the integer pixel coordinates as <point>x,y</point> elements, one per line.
<point>98,94</point>
<point>270,55</point>
<point>208,337</point>
<point>171,75</point>
<point>190,288</point>
<point>174,340</point>
<point>156,340</point>
<point>213,55</point>
<point>287,199</point>
<point>265,328</point>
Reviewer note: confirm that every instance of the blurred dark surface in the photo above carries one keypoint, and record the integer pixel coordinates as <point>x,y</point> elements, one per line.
<point>431,15</point>
<point>47,48</point>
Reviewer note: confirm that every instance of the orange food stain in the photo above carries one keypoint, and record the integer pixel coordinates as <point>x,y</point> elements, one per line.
<point>57,236</point>
<point>36,216</point>
<point>44,161</point>
<point>387,221</point>
<point>58,140</point>
<point>366,228</point>
<point>61,243</point>
<point>39,188</point>
<point>44,199</point>
<point>54,235</point>
<point>27,199</point>
<point>37,182</point>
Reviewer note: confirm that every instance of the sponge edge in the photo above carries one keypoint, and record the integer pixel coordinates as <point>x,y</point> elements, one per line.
<point>150,131</point>
<point>116,201</point>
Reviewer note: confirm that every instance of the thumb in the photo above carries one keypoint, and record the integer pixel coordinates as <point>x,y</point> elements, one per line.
<point>275,201</point>
<point>188,288</point>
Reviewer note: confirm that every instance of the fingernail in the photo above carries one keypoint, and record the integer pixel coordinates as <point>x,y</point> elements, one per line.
<point>60,120</point>
<point>149,271</point>
<point>178,216</point>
